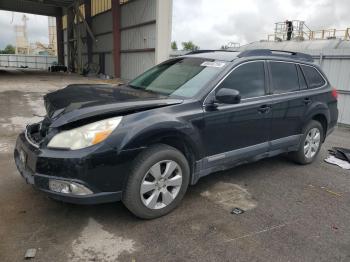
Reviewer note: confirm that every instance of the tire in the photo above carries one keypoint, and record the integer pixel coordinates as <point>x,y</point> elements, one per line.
<point>163,158</point>
<point>302,157</point>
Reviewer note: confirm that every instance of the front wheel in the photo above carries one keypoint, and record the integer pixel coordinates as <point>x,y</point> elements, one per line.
<point>310,144</point>
<point>158,181</point>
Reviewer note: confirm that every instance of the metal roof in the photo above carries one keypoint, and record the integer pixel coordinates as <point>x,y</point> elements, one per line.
<point>310,45</point>
<point>39,7</point>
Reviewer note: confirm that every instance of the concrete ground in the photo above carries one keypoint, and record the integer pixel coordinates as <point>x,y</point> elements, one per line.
<point>293,212</point>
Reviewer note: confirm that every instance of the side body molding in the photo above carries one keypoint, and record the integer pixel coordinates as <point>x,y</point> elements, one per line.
<point>223,161</point>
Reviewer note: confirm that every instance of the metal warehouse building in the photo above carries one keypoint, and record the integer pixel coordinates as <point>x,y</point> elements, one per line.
<point>122,37</point>
<point>332,55</point>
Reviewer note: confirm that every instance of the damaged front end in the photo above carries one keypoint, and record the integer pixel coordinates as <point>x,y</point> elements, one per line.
<point>67,154</point>
<point>79,105</point>
<point>36,134</point>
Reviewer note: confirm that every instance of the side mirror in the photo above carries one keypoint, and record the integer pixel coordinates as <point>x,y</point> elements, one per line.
<point>228,96</point>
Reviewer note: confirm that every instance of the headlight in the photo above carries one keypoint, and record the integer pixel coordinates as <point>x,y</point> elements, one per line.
<point>85,136</point>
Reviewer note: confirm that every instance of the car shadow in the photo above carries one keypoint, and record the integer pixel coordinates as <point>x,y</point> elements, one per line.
<point>238,175</point>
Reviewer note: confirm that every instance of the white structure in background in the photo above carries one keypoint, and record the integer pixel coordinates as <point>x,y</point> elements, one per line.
<point>52,35</point>
<point>22,45</point>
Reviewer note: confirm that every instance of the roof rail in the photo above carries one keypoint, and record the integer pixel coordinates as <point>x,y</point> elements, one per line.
<point>209,51</point>
<point>280,53</point>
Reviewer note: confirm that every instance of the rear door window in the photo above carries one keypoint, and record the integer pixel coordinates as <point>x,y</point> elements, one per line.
<point>284,77</point>
<point>313,77</point>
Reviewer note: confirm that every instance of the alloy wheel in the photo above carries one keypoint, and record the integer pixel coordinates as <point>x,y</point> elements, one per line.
<point>161,184</point>
<point>312,143</point>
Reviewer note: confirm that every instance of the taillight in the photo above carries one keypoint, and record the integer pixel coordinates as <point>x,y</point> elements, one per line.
<point>335,93</point>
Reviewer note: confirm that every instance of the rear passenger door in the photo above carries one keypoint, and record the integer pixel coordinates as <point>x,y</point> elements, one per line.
<point>288,104</point>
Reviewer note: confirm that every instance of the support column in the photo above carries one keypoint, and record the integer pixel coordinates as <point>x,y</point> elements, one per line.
<point>70,39</point>
<point>60,41</point>
<point>116,37</point>
<point>163,29</point>
<point>88,19</point>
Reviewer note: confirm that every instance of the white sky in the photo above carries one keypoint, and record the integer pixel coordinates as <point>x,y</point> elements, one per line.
<point>211,24</point>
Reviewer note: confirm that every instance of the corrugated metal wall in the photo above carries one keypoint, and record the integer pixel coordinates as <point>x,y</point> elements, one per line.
<point>102,26</point>
<point>138,34</point>
<point>338,72</point>
<point>334,58</point>
<point>138,38</point>
<point>102,29</point>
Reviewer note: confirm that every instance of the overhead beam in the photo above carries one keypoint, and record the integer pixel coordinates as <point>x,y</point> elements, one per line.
<point>55,3</point>
<point>30,7</point>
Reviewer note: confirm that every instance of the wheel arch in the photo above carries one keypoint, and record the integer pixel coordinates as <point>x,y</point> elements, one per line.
<point>186,143</point>
<point>321,118</point>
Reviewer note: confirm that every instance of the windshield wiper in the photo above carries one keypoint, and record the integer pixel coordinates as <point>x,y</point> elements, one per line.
<point>147,90</point>
<point>135,87</point>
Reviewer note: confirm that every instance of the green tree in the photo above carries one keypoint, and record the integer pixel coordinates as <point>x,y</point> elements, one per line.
<point>189,46</point>
<point>9,49</point>
<point>174,45</point>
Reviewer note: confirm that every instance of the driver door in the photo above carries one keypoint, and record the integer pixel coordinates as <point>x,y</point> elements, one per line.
<point>234,132</point>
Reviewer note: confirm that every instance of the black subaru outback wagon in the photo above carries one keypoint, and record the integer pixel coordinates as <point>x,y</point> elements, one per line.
<point>146,141</point>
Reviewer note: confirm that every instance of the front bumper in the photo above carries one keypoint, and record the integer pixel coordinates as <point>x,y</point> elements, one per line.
<point>91,167</point>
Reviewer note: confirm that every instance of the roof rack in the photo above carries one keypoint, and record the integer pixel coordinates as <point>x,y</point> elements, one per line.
<point>279,53</point>
<point>209,51</point>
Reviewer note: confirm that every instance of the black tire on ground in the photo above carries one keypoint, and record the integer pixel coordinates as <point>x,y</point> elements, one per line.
<point>131,195</point>
<point>299,156</point>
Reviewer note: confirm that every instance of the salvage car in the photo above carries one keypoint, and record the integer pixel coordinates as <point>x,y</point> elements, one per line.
<point>146,141</point>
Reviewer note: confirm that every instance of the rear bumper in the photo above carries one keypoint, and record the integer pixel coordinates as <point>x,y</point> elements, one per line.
<point>78,166</point>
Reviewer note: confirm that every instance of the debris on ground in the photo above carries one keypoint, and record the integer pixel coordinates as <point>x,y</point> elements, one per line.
<point>326,190</point>
<point>104,77</point>
<point>338,162</point>
<point>30,253</point>
<point>331,192</point>
<point>237,211</point>
<point>340,157</point>
<point>335,227</point>
<point>340,153</point>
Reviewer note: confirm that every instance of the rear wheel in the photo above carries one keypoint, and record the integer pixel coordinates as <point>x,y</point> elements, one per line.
<point>157,183</point>
<point>310,144</point>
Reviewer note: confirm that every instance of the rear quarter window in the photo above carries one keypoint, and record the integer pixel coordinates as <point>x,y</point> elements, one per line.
<point>313,77</point>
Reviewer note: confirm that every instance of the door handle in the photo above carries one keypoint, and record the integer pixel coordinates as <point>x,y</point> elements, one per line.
<point>307,101</point>
<point>264,109</point>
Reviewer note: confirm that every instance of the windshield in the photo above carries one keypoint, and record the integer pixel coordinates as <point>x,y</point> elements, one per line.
<point>183,77</point>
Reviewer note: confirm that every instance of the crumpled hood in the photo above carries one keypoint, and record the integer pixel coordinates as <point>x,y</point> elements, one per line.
<point>78,102</point>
